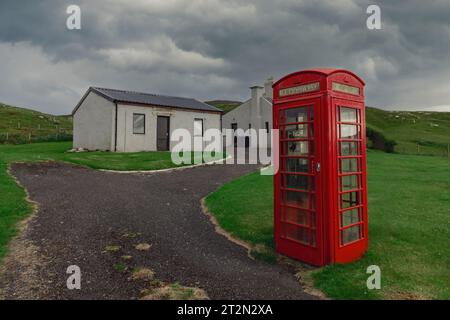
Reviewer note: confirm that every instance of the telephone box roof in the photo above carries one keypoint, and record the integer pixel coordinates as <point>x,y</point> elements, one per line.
<point>323,71</point>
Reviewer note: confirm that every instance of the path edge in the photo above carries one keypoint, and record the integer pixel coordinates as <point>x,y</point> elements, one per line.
<point>302,274</point>
<point>21,227</point>
<point>222,231</point>
<point>214,162</point>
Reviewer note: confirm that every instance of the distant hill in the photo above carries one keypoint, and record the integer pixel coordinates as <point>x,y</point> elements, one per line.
<point>225,105</point>
<point>412,132</point>
<point>415,132</point>
<point>19,125</point>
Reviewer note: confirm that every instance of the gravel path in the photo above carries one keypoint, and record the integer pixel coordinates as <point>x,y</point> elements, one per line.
<point>81,211</point>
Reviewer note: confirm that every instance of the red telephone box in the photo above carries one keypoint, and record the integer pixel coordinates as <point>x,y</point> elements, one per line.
<point>320,193</point>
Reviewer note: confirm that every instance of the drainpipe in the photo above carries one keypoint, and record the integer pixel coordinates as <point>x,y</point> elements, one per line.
<point>115,131</point>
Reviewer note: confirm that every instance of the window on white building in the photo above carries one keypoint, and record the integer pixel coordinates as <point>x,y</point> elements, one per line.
<point>198,127</point>
<point>138,123</point>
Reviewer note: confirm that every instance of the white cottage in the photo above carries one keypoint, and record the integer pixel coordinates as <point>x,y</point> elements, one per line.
<point>128,121</point>
<point>255,113</point>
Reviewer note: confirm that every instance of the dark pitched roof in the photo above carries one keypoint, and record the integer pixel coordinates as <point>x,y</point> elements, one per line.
<point>133,97</point>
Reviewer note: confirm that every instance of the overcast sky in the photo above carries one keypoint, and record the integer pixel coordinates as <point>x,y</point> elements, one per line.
<point>216,49</point>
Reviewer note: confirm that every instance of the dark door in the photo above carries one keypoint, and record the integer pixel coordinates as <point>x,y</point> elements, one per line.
<point>163,129</point>
<point>234,128</point>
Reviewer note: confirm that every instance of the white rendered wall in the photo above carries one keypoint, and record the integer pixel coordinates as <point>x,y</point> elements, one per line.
<point>93,124</point>
<point>129,142</point>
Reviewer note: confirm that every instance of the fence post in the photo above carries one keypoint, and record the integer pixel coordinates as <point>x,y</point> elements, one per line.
<point>418,148</point>
<point>448,150</point>
<point>29,136</point>
<point>7,136</point>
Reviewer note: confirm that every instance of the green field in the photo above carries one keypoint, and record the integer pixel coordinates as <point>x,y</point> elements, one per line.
<point>13,206</point>
<point>426,133</point>
<point>19,125</point>
<point>409,227</point>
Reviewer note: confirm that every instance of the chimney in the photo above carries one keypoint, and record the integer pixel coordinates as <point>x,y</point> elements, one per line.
<point>255,109</point>
<point>268,88</point>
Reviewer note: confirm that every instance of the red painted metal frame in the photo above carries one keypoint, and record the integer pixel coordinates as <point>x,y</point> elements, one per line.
<point>326,101</point>
<point>289,246</point>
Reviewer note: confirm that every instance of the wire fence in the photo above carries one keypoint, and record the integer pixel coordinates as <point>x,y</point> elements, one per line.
<point>32,137</point>
<point>441,150</point>
<point>415,148</point>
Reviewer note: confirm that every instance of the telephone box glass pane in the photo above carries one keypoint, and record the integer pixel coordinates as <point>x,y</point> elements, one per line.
<point>350,199</point>
<point>312,183</point>
<point>297,233</point>
<point>297,115</point>
<point>349,148</point>
<point>349,165</point>
<point>297,131</point>
<point>296,199</point>
<point>349,131</point>
<point>297,148</point>
<point>297,165</point>
<point>351,234</point>
<point>297,216</point>
<point>348,115</point>
<point>349,182</point>
<point>296,182</point>
<point>349,217</point>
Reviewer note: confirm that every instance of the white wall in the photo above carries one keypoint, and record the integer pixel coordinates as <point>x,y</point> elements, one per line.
<point>255,111</point>
<point>93,124</point>
<point>239,115</point>
<point>266,115</point>
<point>129,142</point>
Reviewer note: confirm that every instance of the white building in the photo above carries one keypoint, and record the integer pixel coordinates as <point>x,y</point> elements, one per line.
<point>255,113</point>
<point>128,121</point>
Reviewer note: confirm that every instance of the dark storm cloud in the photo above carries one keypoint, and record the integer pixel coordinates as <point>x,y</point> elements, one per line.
<point>216,49</point>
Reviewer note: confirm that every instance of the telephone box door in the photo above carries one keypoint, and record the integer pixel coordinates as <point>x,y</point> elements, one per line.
<point>298,214</point>
<point>351,223</point>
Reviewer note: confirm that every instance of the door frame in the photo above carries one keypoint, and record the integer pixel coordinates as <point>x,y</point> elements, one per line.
<point>167,136</point>
<point>312,255</point>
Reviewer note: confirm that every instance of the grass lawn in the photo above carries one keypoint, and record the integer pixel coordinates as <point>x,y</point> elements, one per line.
<point>13,206</point>
<point>409,227</point>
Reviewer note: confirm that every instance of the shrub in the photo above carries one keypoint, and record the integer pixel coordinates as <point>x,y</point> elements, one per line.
<point>380,141</point>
